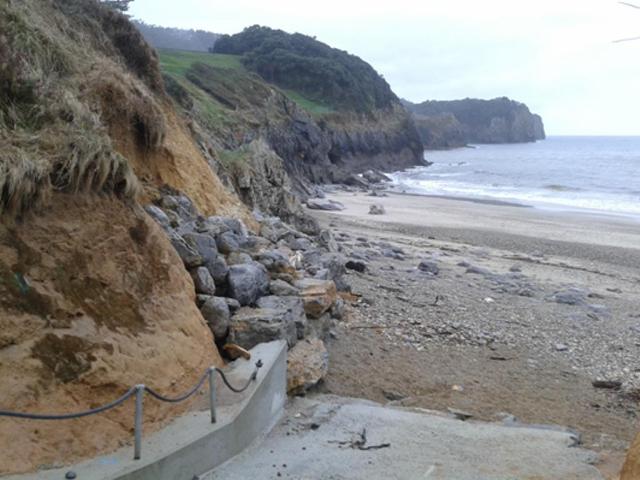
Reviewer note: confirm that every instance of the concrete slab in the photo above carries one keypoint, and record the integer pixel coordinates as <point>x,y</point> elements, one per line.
<point>424,446</point>
<point>191,444</point>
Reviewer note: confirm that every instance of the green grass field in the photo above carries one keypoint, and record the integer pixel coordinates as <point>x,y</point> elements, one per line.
<point>310,106</point>
<point>177,62</point>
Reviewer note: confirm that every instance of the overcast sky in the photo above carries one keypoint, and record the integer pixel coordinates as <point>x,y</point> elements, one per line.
<point>557,56</point>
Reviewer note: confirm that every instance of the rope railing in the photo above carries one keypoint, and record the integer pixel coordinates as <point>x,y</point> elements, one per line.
<point>138,391</point>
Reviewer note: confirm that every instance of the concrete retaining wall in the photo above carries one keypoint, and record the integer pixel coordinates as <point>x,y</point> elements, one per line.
<point>192,445</point>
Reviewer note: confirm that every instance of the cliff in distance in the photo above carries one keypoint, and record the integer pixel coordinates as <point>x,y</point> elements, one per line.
<point>456,123</point>
<point>272,133</point>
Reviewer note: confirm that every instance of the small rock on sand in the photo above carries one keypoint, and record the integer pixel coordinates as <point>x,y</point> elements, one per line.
<point>377,209</point>
<point>607,384</point>
<point>429,266</point>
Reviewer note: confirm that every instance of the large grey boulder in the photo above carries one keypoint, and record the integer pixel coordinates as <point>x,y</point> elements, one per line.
<point>181,205</point>
<point>236,226</point>
<point>203,281</point>
<point>158,215</point>
<point>218,269</point>
<point>274,261</point>
<point>251,326</point>
<point>215,311</point>
<point>292,308</point>
<point>236,258</point>
<point>328,241</point>
<point>232,303</point>
<point>282,288</point>
<point>214,226</point>
<point>255,243</point>
<point>247,282</point>
<point>274,229</point>
<point>184,227</point>
<point>300,244</point>
<point>335,266</point>
<point>204,245</point>
<point>228,242</point>
<point>190,257</point>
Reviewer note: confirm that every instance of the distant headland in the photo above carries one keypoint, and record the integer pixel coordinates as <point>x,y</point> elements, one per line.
<point>456,123</point>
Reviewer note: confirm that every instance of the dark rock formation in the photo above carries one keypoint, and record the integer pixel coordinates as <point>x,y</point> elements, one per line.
<point>450,124</point>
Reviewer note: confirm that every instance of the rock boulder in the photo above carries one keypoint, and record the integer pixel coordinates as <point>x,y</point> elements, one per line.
<point>318,295</point>
<point>324,204</point>
<point>247,282</point>
<point>307,364</point>
<point>251,326</point>
<point>215,311</point>
<point>292,309</point>
<point>203,281</point>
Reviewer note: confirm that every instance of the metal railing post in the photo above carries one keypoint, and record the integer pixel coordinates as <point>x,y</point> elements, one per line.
<point>212,393</point>
<point>137,447</point>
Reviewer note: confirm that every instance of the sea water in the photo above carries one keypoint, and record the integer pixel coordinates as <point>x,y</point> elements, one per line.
<point>595,174</point>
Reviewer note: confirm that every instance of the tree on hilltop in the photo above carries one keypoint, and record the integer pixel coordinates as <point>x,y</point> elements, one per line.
<point>120,5</point>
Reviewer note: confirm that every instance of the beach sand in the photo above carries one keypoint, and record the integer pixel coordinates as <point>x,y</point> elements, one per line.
<point>528,308</point>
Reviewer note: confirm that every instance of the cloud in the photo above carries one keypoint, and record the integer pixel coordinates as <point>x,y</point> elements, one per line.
<point>558,57</point>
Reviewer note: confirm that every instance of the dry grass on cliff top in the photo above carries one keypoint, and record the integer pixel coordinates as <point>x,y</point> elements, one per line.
<point>62,83</point>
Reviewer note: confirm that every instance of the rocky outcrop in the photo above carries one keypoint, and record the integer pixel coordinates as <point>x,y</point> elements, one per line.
<point>450,124</point>
<point>332,149</point>
<point>270,150</point>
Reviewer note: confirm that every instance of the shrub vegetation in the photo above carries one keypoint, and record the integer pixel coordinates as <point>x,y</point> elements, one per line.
<point>317,72</point>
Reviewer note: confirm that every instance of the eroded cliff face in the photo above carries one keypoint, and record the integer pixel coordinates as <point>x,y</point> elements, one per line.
<point>93,297</point>
<point>93,300</point>
<point>329,149</point>
<point>230,110</point>
<point>450,124</point>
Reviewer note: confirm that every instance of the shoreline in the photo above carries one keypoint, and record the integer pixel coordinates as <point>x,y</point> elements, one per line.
<point>484,334</point>
<point>493,218</point>
<point>482,201</point>
<point>510,184</point>
<point>545,207</point>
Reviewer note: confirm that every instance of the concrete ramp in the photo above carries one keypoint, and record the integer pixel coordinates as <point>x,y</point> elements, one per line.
<point>321,438</point>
